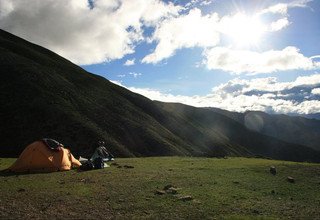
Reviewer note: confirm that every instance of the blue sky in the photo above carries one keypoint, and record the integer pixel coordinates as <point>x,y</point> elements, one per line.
<point>233,54</point>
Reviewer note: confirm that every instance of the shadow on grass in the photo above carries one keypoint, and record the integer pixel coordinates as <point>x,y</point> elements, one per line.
<point>7,172</point>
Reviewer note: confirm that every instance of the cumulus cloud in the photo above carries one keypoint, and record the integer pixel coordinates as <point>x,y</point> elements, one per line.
<point>85,34</point>
<point>279,24</point>
<point>282,8</point>
<point>185,31</point>
<point>194,29</point>
<point>107,30</point>
<point>261,94</point>
<point>315,91</point>
<point>129,62</point>
<point>243,61</point>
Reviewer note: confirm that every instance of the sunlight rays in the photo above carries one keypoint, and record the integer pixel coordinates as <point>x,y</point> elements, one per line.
<point>243,30</point>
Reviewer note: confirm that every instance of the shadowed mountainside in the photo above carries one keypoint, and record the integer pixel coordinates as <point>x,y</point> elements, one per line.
<point>294,129</point>
<point>45,95</point>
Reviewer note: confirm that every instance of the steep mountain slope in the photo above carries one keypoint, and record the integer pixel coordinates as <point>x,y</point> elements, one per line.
<point>45,95</point>
<point>236,133</point>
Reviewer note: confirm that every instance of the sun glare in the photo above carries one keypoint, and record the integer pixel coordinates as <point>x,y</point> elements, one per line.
<point>244,30</point>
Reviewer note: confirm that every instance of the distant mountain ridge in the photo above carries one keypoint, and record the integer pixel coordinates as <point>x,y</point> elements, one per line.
<point>294,129</point>
<point>310,116</point>
<point>45,95</point>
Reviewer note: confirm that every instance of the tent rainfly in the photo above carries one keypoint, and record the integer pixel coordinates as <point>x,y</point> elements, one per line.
<point>46,155</point>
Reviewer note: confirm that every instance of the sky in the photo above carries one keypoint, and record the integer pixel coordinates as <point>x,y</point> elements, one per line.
<point>237,55</point>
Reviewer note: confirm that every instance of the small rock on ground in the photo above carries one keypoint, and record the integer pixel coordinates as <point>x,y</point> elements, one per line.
<point>160,192</point>
<point>185,198</point>
<point>168,187</point>
<point>290,179</point>
<point>172,190</point>
<point>273,170</point>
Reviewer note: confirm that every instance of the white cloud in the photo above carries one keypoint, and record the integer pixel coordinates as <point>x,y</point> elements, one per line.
<point>282,8</point>
<point>316,91</point>
<point>135,75</point>
<point>307,80</point>
<point>261,94</point>
<point>112,29</point>
<point>315,57</point>
<point>129,62</point>
<point>186,31</point>
<point>197,30</point>
<point>70,28</point>
<point>242,61</point>
<point>206,2</point>
<point>279,24</point>
<point>193,3</point>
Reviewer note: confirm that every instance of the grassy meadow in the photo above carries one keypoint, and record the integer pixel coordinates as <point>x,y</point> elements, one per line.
<point>132,188</point>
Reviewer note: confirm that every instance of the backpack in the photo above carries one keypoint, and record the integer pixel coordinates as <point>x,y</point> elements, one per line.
<point>88,165</point>
<point>98,163</point>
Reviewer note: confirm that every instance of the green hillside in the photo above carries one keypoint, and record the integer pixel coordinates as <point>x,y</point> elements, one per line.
<point>45,95</point>
<point>204,188</point>
<point>293,129</point>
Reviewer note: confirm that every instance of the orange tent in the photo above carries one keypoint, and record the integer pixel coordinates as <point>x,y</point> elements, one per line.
<point>38,157</point>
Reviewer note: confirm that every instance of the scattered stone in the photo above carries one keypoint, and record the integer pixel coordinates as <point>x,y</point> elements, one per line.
<point>273,170</point>
<point>21,190</point>
<point>290,179</point>
<point>185,198</point>
<point>168,187</point>
<point>128,166</point>
<point>160,192</point>
<point>196,201</point>
<point>172,190</point>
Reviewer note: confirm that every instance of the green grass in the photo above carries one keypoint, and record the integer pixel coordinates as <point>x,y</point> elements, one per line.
<point>233,188</point>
